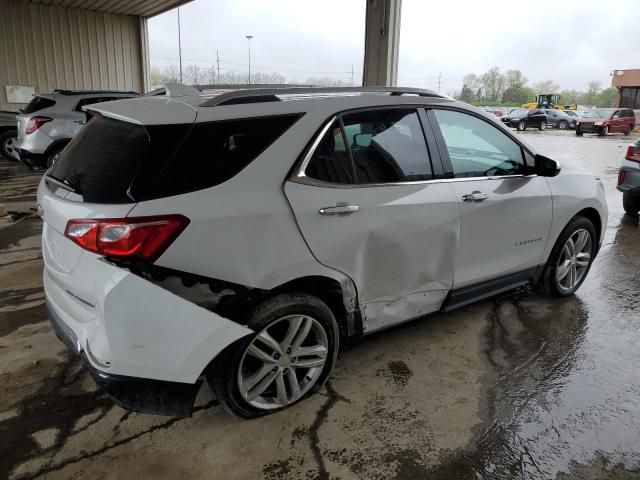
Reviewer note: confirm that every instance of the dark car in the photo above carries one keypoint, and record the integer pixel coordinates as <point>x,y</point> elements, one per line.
<point>521,119</point>
<point>603,121</point>
<point>629,179</point>
<point>8,135</point>
<point>560,119</point>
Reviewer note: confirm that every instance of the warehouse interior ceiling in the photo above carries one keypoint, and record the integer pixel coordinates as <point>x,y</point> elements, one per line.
<point>142,8</point>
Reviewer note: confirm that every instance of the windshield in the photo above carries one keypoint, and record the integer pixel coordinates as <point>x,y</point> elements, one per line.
<point>597,114</point>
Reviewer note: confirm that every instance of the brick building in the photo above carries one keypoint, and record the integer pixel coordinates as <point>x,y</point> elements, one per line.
<point>628,84</point>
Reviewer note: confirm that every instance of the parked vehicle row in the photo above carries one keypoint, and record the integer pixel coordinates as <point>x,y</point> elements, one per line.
<point>521,119</point>
<point>307,223</point>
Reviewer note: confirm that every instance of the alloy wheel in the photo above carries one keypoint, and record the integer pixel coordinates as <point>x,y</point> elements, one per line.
<point>283,362</point>
<point>574,260</point>
<point>10,147</point>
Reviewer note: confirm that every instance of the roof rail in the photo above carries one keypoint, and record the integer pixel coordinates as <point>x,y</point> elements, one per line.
<point>91,92</point>
<point>271,94</point>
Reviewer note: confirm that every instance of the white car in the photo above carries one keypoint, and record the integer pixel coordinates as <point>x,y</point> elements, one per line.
<point>243,238</point>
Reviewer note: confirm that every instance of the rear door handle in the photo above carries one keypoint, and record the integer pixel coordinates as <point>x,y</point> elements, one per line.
<point>475,197</point>
<point>339,210</point>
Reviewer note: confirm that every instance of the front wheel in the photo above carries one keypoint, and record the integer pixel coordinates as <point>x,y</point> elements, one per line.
<point>578,132</point>
<point>604,131</point>
<point>522,125</point>
<point>631,203</point>
<point>570,259</point>
<point>542,126</point>
<point>563,125</point>
<point>289,357</point>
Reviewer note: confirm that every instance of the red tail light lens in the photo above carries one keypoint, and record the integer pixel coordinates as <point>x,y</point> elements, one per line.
<point>633,153</point>
<point>35,123</point>
<point>621,176</point>
<point>144,238</point>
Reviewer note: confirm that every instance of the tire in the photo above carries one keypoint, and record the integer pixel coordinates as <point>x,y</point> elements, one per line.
<point>542,126</point>
<point>521,126</point>
<point>553,283</point>
<point>604,131</point>
<point>563,125</point>
<point>627,132</point>
<point>7,145</point>
<point>631,203</point>
<point>579,132</point>
<point>276,316</point>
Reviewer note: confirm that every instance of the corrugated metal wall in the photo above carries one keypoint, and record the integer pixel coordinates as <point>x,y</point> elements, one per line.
<point>50,47</point>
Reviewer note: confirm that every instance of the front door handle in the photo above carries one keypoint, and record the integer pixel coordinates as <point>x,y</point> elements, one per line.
<point>339,210</point>
<point>475,197</point>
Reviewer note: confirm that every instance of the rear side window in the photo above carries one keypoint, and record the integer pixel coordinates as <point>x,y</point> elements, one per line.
<point>330,161</point>
<point>38,103</point>
<point>101,161</point>
<point>214,152</point>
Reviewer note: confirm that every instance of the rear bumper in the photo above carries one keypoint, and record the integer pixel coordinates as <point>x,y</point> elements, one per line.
<point>31,159</point>
<point>631,183</point>
<point>136,394</point>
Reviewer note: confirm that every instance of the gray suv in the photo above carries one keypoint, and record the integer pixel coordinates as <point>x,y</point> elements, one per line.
<point>51,120</point>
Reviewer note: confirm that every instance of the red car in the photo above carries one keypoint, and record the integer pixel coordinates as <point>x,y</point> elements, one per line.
<point>604,121</point>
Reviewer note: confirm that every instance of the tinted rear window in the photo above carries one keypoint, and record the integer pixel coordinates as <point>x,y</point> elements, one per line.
<point>38,103</point>
<point>214,152</point>
<point>111,161</point>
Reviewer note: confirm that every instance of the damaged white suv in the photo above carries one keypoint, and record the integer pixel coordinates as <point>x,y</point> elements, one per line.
<point>243,238</point>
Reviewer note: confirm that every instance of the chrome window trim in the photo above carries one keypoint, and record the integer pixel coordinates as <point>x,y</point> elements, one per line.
<point>303,179</point>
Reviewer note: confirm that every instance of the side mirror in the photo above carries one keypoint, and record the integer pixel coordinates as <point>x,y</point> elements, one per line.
<point>545,167</point>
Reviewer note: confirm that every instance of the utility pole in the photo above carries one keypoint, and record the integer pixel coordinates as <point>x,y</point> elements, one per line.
<point>439,81</point>
<point>218,63</point>
<point>179,45</point>
<point>352,74</point>
<point>249,37</point>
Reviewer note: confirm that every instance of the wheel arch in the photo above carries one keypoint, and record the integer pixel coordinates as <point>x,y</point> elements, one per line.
<point>331,292</point>
<point>591,214</point>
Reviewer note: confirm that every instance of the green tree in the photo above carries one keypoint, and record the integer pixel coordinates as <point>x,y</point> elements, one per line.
<point>592,94</point>
<point>493,83</point>
<point>607,98</point>
<point>546,86</point>
<point>467,95</point>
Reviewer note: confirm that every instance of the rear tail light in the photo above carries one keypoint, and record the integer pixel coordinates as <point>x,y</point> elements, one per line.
<point>143,238</point>
<point>621,175</point>
<point>633,153</point>
<point>35,123</point>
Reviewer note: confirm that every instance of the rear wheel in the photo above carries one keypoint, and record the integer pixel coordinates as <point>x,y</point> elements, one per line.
<point>8,147</point>
<point>570,259</point>
<point>563,125</point>
<point>628,131</point>
<point>604,131</point>
<point>631,203</point>
<point>522,125</point>
<point>542,126</point>
<point>289,357</point>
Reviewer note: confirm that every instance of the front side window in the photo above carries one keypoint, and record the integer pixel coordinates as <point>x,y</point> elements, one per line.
<point>476,148</point>
<point>387,146</point>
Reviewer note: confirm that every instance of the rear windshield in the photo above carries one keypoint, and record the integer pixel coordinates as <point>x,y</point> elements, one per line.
<point>38,103</point>
<point>112,161</point>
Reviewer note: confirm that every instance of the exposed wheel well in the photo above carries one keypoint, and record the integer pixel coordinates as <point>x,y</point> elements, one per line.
<point>593,215</point>
<point>7,129</point>
<point>329,291</point>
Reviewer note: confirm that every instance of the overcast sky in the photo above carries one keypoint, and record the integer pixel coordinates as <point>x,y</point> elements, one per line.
<point>567,41</point>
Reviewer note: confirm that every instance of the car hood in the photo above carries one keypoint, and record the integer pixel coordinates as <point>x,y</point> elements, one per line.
<point>592,120</point>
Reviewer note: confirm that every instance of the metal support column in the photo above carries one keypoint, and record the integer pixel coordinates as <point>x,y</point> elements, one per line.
<point>382,42</point>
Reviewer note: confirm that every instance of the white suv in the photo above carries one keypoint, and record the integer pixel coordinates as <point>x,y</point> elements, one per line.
<point>244,237</point>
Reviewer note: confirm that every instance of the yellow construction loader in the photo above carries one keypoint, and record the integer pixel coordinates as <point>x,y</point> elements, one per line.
<point>549,100</point>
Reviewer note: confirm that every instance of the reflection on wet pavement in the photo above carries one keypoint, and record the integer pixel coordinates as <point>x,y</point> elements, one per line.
<point>522,387</point>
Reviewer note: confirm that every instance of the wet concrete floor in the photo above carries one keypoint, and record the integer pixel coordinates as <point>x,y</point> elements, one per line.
<point>516,387</point>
